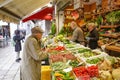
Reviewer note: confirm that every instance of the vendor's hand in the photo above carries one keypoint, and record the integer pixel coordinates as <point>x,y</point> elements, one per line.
<point>87,38</point>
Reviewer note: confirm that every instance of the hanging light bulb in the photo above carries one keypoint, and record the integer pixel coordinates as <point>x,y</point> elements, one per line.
<point>49,4</point>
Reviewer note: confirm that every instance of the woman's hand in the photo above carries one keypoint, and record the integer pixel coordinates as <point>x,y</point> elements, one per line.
<point>47,50</point>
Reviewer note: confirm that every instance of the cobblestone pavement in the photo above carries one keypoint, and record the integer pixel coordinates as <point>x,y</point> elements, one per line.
<point>9,69</point>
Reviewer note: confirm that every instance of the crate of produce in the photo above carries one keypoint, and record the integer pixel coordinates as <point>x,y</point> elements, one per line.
<point>86,73</point>
<point>45,70</point>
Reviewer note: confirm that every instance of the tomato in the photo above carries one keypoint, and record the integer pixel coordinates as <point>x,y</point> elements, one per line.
<point>59,48</point>
<point>58,78</point>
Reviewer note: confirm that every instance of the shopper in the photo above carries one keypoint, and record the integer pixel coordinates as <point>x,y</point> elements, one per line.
<point>17,39</point>
<point>32,56</point>
<point>93,36</point>
<point>23,33</point>
<point>78,35</point>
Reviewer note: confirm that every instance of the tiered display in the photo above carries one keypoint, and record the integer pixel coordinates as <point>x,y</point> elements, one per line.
<point>71,61</point>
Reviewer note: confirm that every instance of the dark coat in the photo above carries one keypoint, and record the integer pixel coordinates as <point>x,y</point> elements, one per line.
<point>17,39</point>
<point>94,37</point>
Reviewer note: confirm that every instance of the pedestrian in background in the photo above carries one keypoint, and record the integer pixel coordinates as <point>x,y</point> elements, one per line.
<point>33,54</point>
<point>17,39</point>
<point>23,34</point>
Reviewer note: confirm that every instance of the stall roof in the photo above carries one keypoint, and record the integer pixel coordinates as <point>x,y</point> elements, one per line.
<point>16,10</point>
<point>43,14</point>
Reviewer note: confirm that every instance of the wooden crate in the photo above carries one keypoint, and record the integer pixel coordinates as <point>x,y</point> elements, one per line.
<point>104,4</point>
<point>89,6</point>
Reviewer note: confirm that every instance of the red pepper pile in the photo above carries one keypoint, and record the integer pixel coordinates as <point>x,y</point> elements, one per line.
<point>80,71</point>
<point>91,71</point>
<point>59,48</point>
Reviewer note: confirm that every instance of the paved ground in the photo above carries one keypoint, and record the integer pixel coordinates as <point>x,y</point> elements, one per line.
<point>9,69</point>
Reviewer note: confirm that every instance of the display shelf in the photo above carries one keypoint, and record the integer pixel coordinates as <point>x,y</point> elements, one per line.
<point>110,35</point>
<point>89,6</point>
<point>113,48</point>
<point>104,11</point>
<point>104,4</point>
<point>68,20</point>
<point>108,26</point>
<point>117,3</point>
<point>67,15</point>
<point>100,43</point>
<point>88,61</point>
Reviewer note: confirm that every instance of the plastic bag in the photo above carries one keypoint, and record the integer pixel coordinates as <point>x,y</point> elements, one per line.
<point>13,42</point>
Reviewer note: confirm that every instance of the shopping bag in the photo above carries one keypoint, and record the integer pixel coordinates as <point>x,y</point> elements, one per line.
<point>13,42</point>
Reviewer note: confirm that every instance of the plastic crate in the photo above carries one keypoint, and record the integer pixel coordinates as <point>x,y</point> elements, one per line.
<point>45,73</point>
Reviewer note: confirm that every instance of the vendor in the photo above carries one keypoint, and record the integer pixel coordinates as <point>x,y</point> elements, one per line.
<point>78,35</point>
<point>93,36</point>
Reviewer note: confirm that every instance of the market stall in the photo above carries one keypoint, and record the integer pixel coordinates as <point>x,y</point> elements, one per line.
<point>71,61</point>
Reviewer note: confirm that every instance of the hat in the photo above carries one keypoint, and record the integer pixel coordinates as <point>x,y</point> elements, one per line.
<point>36,29</point>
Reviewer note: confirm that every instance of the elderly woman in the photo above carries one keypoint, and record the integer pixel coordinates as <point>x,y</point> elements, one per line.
<point>78,35</point>
<point>32,55</point>
<point>93,36</point>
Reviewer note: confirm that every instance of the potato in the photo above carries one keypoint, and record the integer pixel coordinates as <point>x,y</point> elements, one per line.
<point>105,75</point>
<point>116,74</point>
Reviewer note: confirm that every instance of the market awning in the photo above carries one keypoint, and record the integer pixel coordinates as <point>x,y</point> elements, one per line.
<point>18,9</point>
<point>43,14</point>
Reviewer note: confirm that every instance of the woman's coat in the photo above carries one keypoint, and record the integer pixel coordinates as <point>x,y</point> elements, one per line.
<point>17,39</point>
<point>31,61</point>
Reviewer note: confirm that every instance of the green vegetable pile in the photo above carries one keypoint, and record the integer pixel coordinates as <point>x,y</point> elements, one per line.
<point>88,54</point>
<point>93,61</point>
<point>53,29</point>
<point>58,66</point>
<point>82,50</point>
<point>67,76</point>
<point>70,45</point>
<point>74,63</point>
<point>66,31</point>
<point>113,17</point>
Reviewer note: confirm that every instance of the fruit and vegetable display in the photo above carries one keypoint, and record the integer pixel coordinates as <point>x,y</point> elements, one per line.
<point>93,61</point>
<point>76,62</point>
<point>61,38</point>
<point>61,75</point>
<point>113,17</point>
<point>59,48</point>
<point>116,63</point>
<point>61,57</point>
<point>91,71</point>
<point>58,66</point>
<point>53,29</point>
